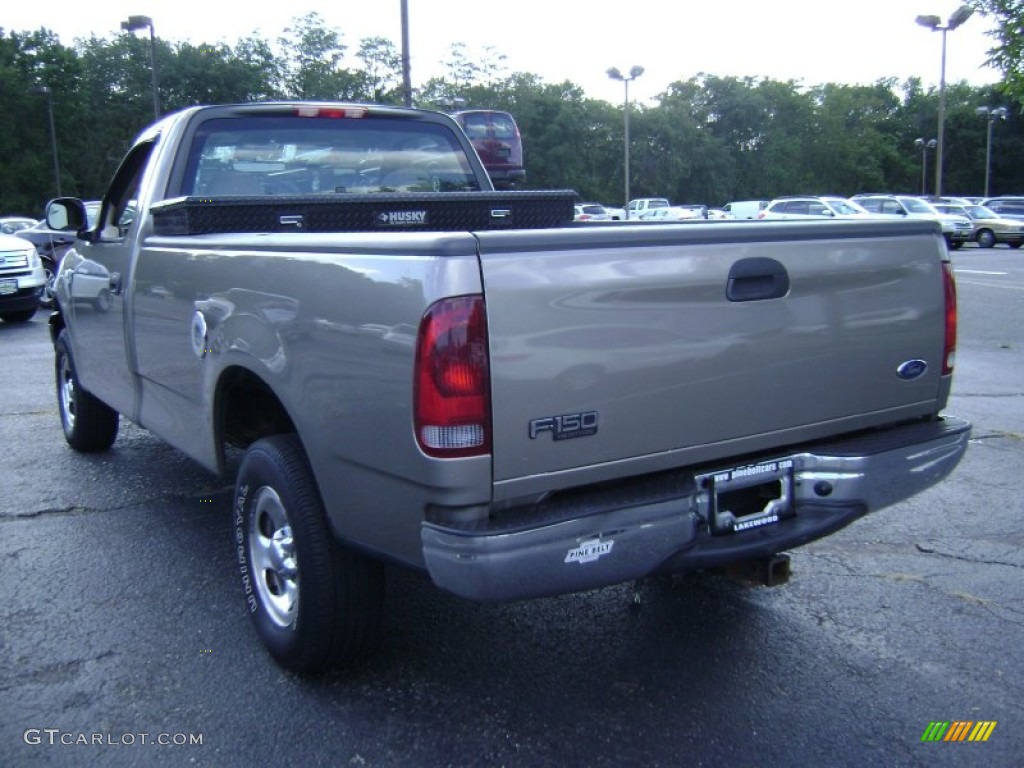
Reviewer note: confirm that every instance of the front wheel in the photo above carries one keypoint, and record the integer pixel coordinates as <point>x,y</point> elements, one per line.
<point>21,316</point>
<point>49,297</point>
<point>986,238</point>
<point>314,602</point>
<point>956,245</point>
<point>89,424</point>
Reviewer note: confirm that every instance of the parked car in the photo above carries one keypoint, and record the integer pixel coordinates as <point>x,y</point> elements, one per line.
<point>11,224</point>
<point>812,207</point>
<point>591,212</point>
<point>22,279</point>
<point>989,227</point>
<point>617,214</point>
<point>745,209</point>
<point>641,205</point>
<point>956,229</point>
<point>1007,207</point>
<point>495,137</point>
<point>672,213</point>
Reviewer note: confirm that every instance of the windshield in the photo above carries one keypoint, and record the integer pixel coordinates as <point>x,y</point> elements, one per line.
<point>917,206</point>
<point>980,212</point>
<point>845,207</point>
<point>293,155</point>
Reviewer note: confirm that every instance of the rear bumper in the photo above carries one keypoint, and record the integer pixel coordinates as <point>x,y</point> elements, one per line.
<point>609,537</point>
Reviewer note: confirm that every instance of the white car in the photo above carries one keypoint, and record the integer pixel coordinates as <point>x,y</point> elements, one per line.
<point>813,207</point>
<point>591,212</point>
<point>671,213</point>
<point>22,279</point>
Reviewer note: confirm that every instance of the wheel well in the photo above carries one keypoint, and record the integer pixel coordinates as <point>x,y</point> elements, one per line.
<point>246,410</point>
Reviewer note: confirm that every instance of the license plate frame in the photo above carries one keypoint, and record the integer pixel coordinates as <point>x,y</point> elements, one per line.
<point>8,285</point>
<point>750,496</point>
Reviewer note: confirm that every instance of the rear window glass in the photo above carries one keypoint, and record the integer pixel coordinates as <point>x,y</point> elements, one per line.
<point>282,155</point>
<point>483,125</point>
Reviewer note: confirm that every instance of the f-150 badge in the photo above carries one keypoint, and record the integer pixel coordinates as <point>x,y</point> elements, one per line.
<point>566,426</point>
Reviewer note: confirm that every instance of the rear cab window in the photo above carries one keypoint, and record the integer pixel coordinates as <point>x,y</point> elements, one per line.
<point>275,154</point>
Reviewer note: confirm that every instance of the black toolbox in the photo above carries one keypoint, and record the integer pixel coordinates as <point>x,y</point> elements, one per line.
<point>416,211</point>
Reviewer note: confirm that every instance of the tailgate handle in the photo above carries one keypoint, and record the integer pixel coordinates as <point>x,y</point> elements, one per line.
<point>756,279</point>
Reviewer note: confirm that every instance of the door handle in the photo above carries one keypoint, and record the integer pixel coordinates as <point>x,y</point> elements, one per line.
<point>757,279</point>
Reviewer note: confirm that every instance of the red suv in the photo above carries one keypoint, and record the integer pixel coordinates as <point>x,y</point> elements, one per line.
<point>495,136</point>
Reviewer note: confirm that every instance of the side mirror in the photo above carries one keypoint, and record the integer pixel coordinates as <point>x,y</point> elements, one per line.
<point>66,214</point>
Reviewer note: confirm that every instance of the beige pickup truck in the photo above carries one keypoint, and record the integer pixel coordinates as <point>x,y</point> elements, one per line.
<point>416,368</point>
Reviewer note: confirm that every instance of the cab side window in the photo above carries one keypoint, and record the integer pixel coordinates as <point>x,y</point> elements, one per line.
<point>119,206</point>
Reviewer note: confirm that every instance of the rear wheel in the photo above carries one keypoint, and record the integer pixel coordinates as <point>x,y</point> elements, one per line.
<point>956,245</point>
<point>314,602</point>
<point>986,238</point>
<point>89,424</point>
<point>1015,246</point>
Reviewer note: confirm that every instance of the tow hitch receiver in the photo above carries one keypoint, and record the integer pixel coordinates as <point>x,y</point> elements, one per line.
<point>770,571</point>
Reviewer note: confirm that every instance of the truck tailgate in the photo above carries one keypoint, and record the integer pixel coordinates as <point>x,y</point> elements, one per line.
<point>623,349</point>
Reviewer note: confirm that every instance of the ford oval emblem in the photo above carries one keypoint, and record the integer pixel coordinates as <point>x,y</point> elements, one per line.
<point>912,369</point>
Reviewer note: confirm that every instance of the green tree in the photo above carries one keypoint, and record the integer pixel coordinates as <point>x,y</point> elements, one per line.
<point>1007,55</point>
<point>313,57</point>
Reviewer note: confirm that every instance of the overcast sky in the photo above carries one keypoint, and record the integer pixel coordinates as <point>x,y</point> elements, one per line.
<point>809,41</point>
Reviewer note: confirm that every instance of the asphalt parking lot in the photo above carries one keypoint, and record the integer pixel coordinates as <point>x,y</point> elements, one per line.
<point>126,641</point>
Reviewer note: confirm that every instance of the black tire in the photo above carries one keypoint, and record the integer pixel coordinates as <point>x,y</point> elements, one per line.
<point>956,245</point>
<point>89,424</point>
<point>1015,246</point>
<point>986,238</point>
<point>49,297</point>
<point>22,316</point>
<point>283,543</point>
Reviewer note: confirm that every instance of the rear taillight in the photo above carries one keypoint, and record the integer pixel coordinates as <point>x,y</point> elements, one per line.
<point>452,415</point>
<point>949,349</point>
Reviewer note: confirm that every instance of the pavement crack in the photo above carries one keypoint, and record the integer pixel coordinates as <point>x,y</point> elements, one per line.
<point>962,558</point>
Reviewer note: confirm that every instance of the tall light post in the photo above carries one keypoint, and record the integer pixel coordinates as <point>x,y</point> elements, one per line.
<point>991,114</point>
<point>406,74</point>
<point>924,146</point>
<point>934,23</point>
<point>615,74</point>
<point>142,22</point>
<point>45,90</point>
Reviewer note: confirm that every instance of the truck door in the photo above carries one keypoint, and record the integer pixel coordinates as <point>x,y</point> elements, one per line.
<point>97,276</point>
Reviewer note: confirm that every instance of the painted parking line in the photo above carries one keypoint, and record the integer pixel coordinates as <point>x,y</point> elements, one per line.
<point>978,272</point>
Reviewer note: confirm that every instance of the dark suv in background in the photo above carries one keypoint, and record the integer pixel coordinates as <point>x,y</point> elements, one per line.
<point>495,136</point>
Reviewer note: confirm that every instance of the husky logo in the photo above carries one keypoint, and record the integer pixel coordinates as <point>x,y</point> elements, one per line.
<point>401,218</point>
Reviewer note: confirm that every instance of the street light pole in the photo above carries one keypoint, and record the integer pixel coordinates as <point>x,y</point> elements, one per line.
<point>48,92</point>
<point>615,74</point>
<point>991,114</point>
<point>934,23</point>
<point>924,146</point>
<point>142,22</point>
<point>406,74</point>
